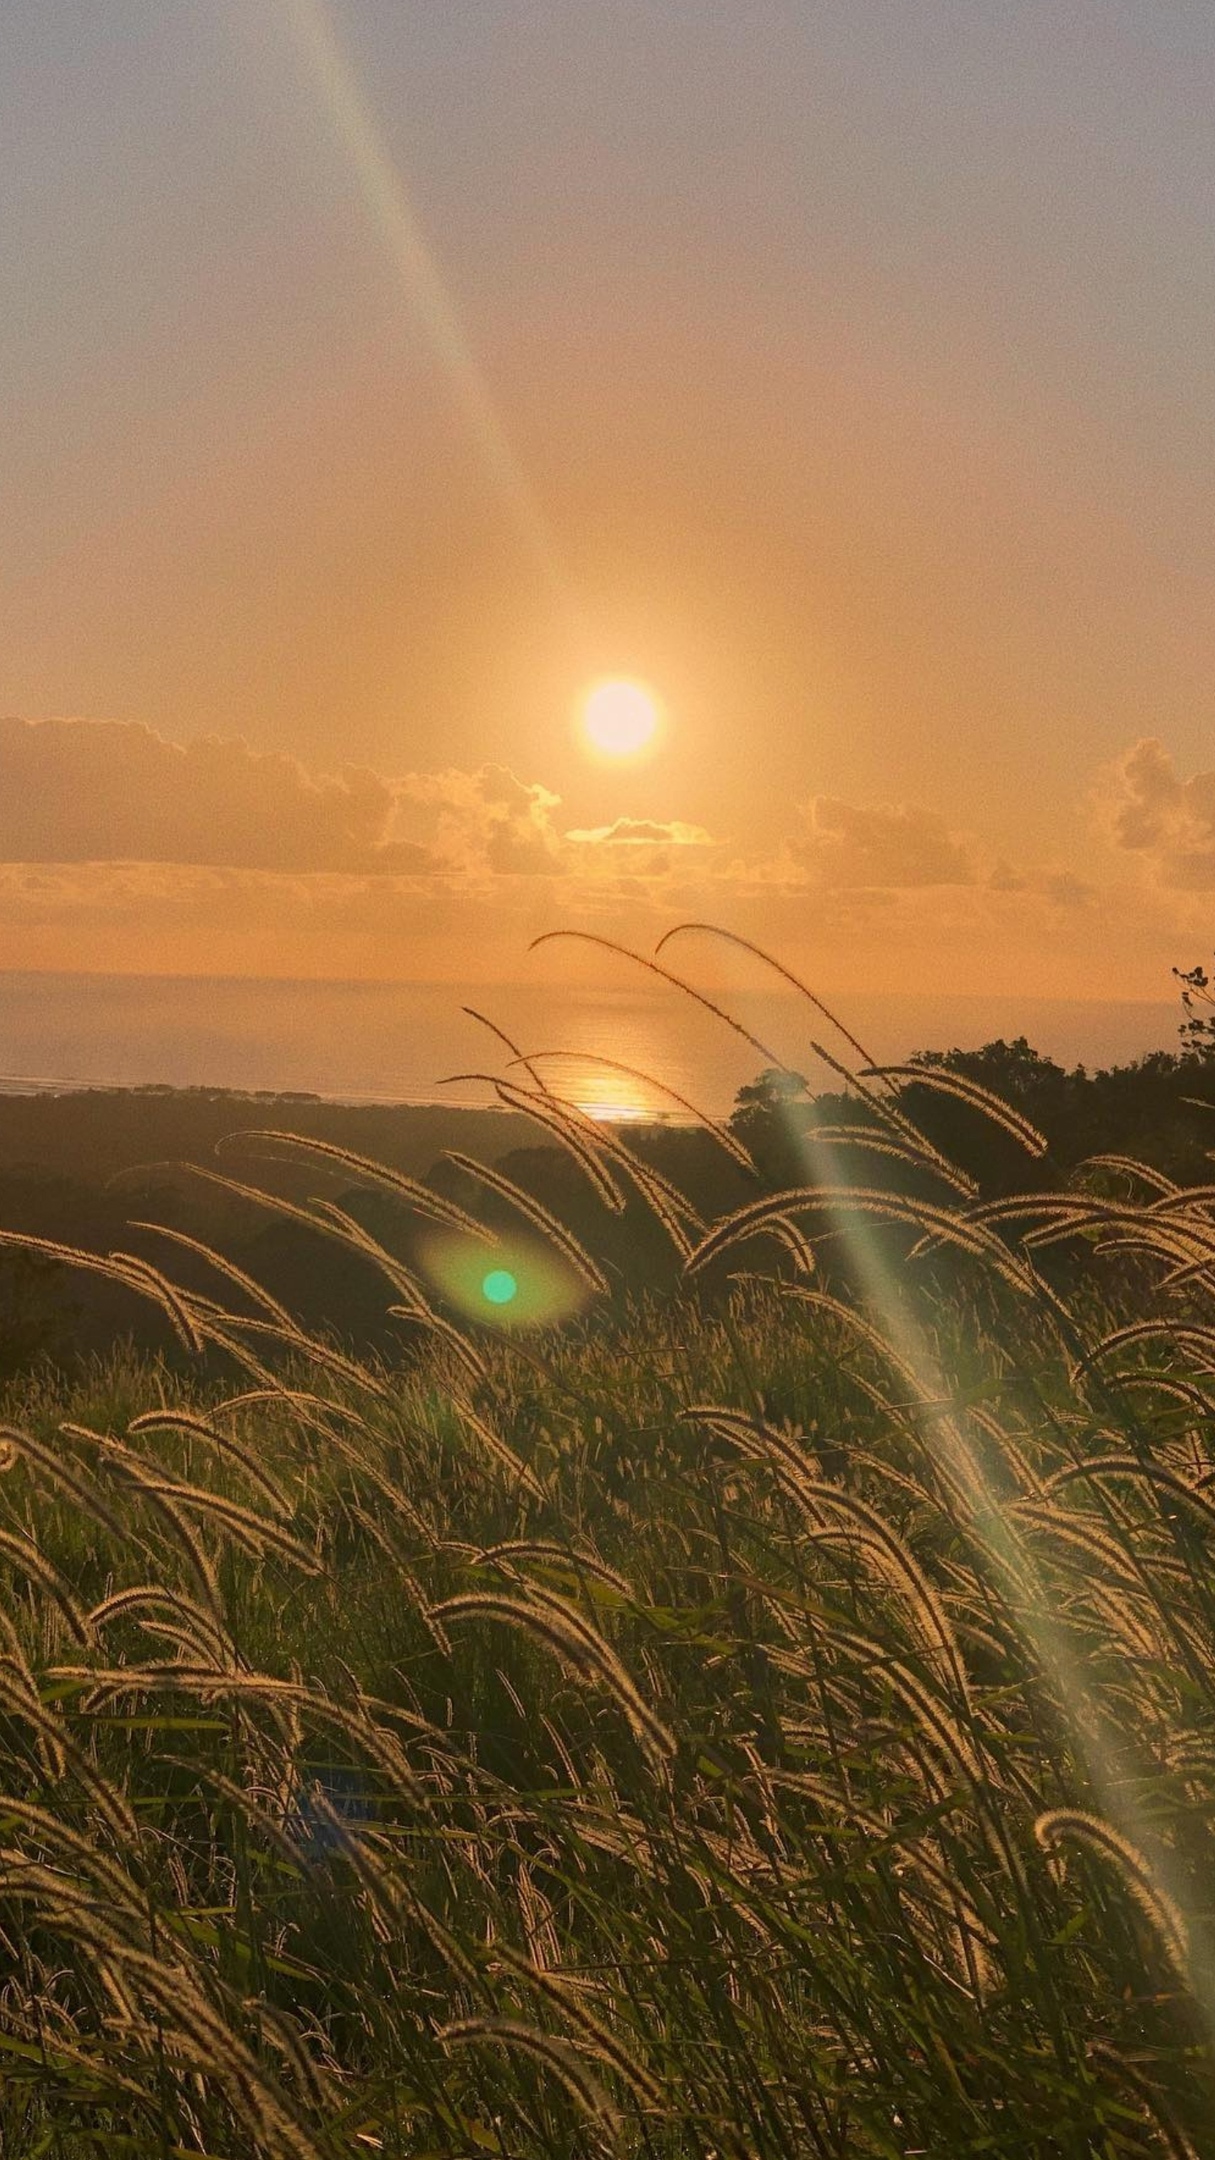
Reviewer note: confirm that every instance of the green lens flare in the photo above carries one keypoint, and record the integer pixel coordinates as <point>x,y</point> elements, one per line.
<point>523,1285</point>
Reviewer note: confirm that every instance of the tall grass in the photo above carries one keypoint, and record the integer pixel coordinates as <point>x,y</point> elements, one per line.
<point>773,1720</point>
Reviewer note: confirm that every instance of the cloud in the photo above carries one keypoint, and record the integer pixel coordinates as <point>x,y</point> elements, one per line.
<point>484,822</point>
<point>642,832</point>
<point>75,791</point>
<point>120,850</point>
<point>112,791</point>
<point>1169,822</point>
<point>1066,890</point>
<point>844,845</point>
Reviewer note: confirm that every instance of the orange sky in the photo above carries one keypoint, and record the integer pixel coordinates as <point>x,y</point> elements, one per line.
<point>378,374</point>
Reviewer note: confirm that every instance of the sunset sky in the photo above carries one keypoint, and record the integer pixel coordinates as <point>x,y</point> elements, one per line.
<point>379,374</point>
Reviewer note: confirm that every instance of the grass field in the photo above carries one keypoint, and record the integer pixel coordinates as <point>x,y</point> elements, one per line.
<point>773,1720</point>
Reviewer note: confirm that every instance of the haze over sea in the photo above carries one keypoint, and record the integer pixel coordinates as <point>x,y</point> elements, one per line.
<point>396,1041</point>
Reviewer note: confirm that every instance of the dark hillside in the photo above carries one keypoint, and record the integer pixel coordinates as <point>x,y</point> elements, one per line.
<point>86,1169</point>
<point>97,1131</point>
<point>82,1169</point>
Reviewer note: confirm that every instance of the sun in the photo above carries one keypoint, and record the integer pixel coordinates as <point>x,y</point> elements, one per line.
<point>620,717</point>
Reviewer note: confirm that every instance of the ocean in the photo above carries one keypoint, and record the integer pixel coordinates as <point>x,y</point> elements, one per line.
<point>400,1041</point>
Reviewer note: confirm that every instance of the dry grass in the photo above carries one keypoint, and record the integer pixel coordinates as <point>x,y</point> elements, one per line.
<point>764,1723</point>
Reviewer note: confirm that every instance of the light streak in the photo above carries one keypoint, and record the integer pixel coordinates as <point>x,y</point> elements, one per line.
<point>392,214</point>
<point>943,1432</point>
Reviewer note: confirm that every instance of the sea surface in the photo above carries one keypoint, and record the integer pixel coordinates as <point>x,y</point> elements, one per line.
<point>399,1041</point>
